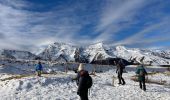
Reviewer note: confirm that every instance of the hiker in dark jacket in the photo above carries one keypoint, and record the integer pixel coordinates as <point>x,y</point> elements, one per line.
<point>141,72</point>
<point>39,69</point>
<point>119,71</point>
<point>81,82</point>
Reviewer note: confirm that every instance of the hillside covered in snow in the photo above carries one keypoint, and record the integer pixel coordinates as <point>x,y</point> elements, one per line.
<point>18,82</point>
<point>62,52</point>
<point>102,51</point>
<point>16,54</point>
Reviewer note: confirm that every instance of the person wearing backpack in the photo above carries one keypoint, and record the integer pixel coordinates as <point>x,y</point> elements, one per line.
<point>119,71</point>
<point>84,82</point>
<point>141,72</point>
<point>39,69</point>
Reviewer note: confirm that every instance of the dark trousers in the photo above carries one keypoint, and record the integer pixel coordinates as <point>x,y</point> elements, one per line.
<point>142,85</point>
<point>39,73</point>
<point>121,80</point>
<point>84,95</point>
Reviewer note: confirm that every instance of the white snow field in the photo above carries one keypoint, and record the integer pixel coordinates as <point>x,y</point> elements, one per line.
<point>59,86</point>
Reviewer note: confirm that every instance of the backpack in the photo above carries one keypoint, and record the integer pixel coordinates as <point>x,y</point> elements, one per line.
<point>89,82</point>
<point>141,72</point>
<point>121,64</point>
<point>88,78</point>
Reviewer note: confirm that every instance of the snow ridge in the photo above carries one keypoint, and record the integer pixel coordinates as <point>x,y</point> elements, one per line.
<point>102,51</point>
<point>63,52</point>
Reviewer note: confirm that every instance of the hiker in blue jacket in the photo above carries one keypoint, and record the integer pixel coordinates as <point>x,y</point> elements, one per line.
<point>141,72</point>
<point>39,69</point>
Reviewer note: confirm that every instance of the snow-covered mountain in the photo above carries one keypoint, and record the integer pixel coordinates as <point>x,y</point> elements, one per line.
<point>15,54</point>
<point>59,51</point>
<point>102,51</point>
<point>148,56</point>
<point>62,52</point>
<point>18,82</point>
<point>97,51</point>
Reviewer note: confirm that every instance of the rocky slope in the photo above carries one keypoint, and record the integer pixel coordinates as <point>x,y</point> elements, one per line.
<point>62,52</point>
<point>101,51</point>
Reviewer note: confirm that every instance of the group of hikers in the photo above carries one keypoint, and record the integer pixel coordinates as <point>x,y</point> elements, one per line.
<point>84,80</point>
<point>140,71</point>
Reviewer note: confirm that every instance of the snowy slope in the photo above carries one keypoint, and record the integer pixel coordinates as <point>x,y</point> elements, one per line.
<point>151,57</point>
<point>62,52</point>
<point>102,51</point>
<point>96,51</point>
<point>60,87</point>
<point>58,50</point>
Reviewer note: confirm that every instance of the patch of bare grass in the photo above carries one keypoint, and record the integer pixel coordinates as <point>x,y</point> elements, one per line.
<point>168,69</point>
<point>15,77</point>
<point>161,82</point>
<point>167,73</point>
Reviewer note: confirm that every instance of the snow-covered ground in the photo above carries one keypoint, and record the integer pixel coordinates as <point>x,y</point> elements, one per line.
<point>61,87</point>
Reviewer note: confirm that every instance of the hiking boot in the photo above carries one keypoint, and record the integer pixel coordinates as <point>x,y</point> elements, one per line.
<point>123,83</point>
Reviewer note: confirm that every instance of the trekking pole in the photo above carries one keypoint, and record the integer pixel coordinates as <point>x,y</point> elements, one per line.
<point>89,92</point>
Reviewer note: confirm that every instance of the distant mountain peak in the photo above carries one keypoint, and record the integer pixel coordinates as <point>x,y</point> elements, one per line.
<point>17,54</point>
<point>59,43</point>
<point>120,47</point>
<point>63,43</point>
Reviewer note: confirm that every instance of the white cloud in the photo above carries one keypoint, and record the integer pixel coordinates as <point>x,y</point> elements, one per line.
<point>29,30</point>
<point>138,38</point>
<point>118,11</point>
<point>26,30</point>
<point>114,13</point>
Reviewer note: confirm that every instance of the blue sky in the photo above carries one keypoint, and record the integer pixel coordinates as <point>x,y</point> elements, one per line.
<point>32,24</point>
